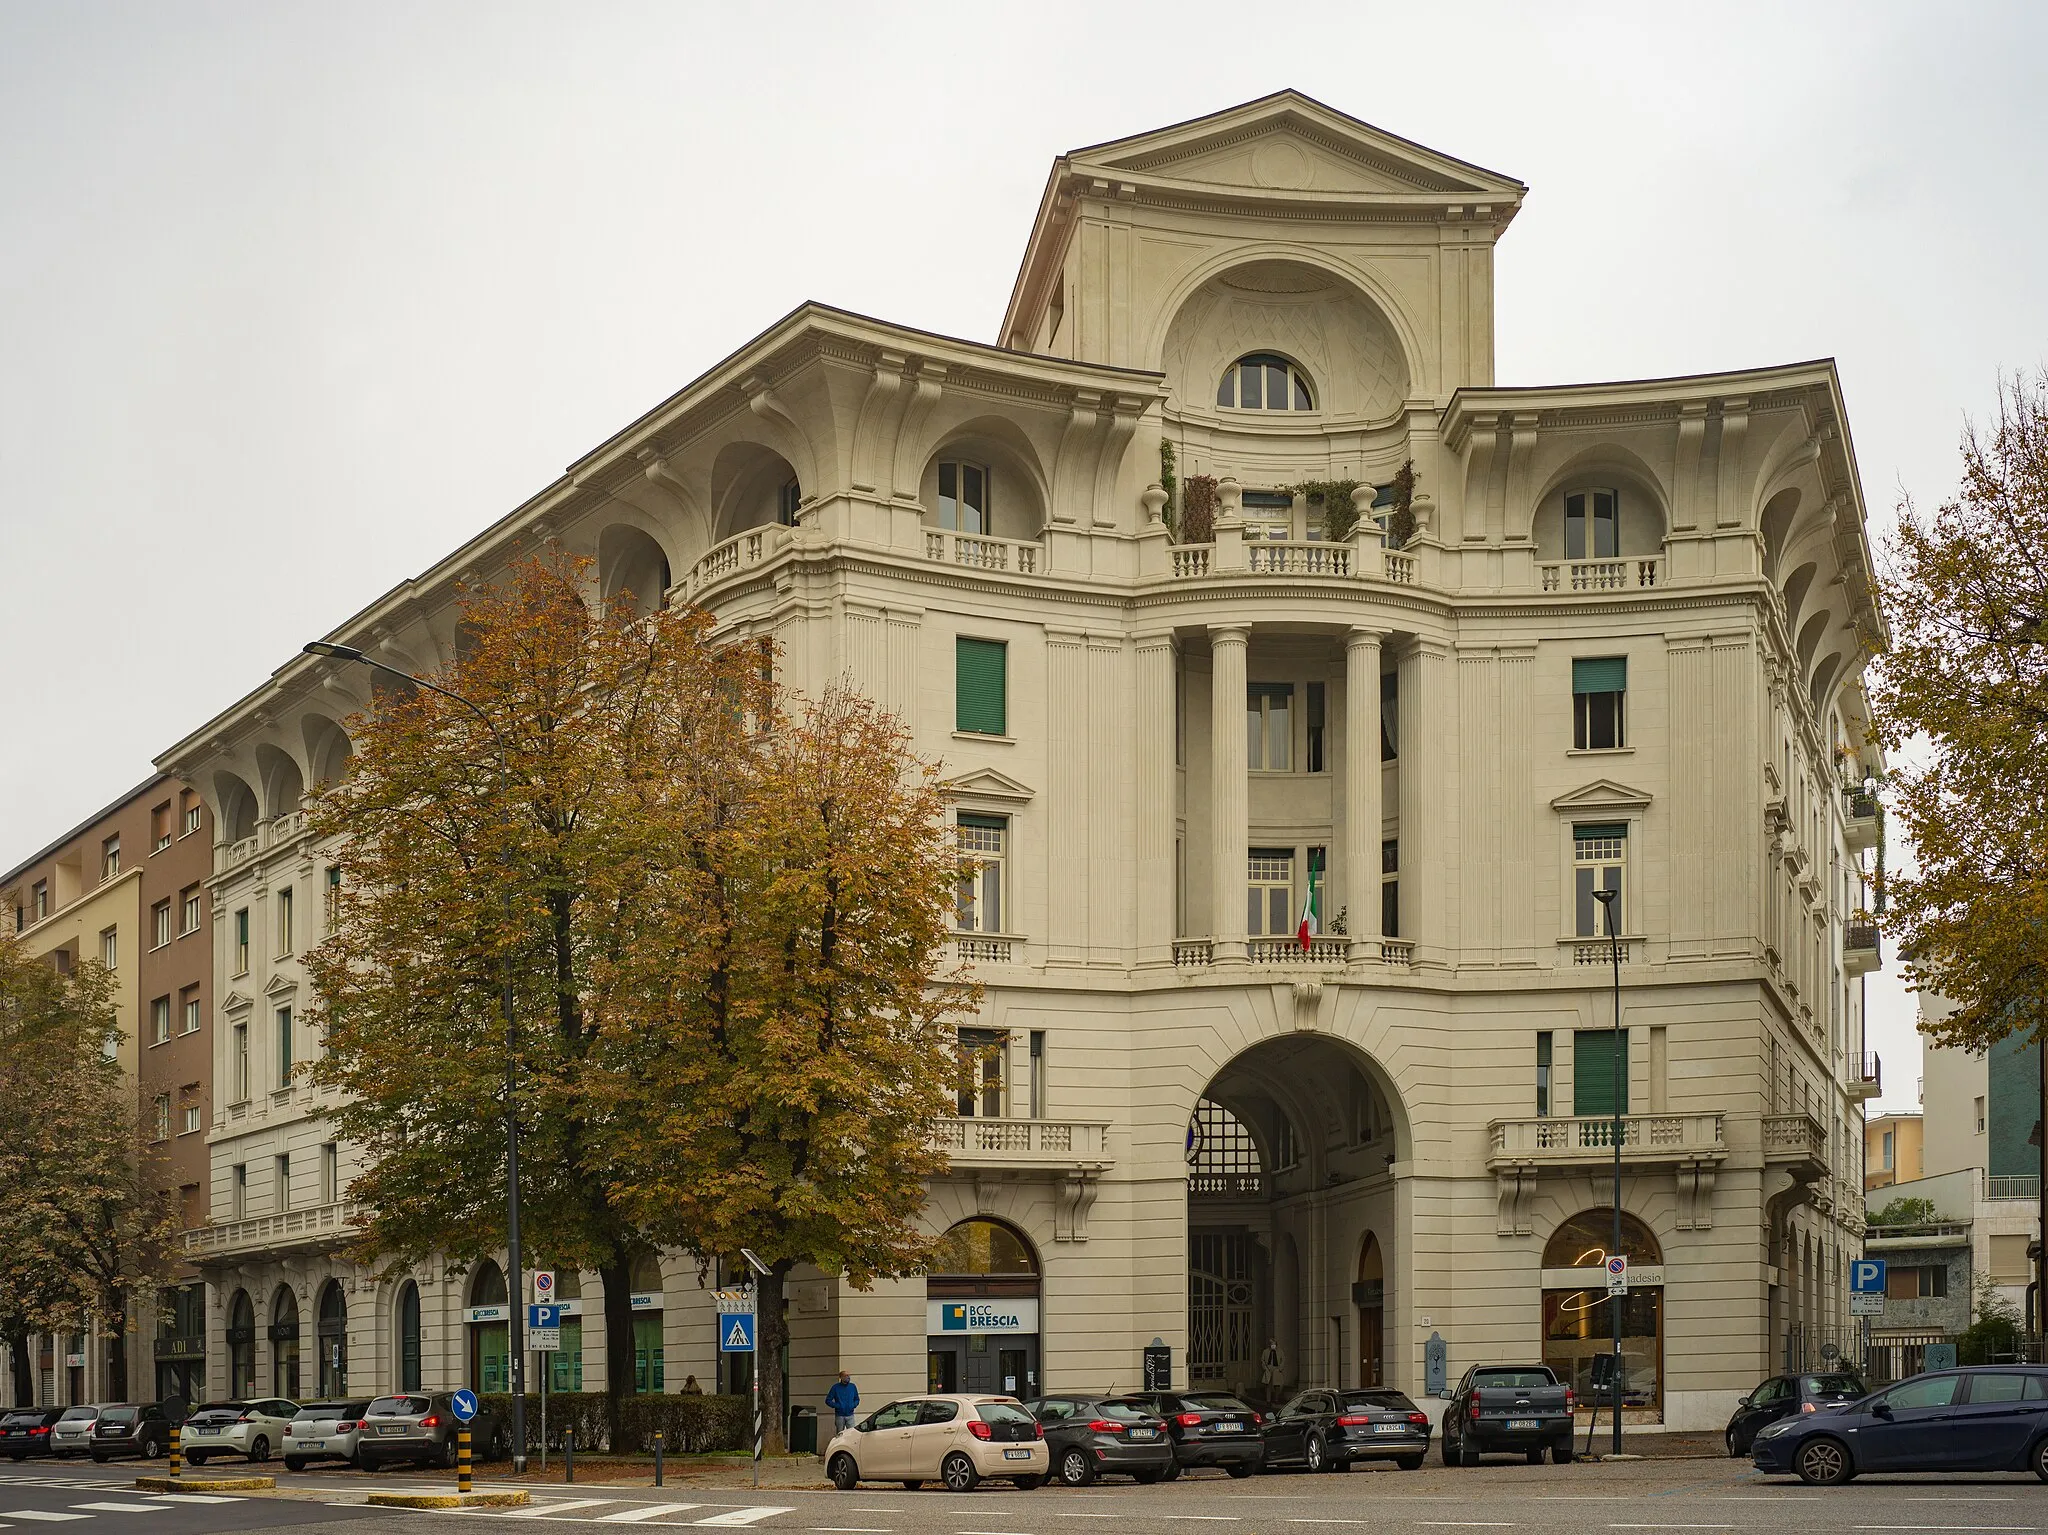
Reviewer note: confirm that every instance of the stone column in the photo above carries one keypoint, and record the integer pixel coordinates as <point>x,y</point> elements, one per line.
<point>1156,783</point>
<point>1362,811</point>
<point>1426,719</point>
<point>1228,790</point>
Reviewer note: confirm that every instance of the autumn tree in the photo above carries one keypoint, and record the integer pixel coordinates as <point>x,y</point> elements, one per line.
<point>84,1227</point>
<point>547,840</point>
<point>1966,592</point>
<point>791,1106</point>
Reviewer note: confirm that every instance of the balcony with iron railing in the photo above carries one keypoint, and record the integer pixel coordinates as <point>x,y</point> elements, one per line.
<point>1859,819</point>
<point>2003,1186</point>
<point>1579,1142</point>
<point>1866,1076</point>
<point>1861,949</point>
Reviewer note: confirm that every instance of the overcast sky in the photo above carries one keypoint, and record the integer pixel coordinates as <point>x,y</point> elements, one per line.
<point>295,297</point>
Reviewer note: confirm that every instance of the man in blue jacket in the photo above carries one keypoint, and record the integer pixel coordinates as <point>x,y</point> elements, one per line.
<point>843,1398</point>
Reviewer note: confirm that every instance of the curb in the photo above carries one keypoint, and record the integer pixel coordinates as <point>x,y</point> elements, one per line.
<point>206,1484</point>
<point>515,1499</point>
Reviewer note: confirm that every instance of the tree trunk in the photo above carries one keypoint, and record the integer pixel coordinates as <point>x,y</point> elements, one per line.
<point>117,1354</point>
<point>618,1328</point>
<point>24,1368</point>
<point>771,1320</point>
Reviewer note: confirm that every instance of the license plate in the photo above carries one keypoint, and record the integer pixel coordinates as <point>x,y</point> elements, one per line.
<point>1520,1423</point>
<point>207,1431</point>
<point>312,1444</point>
<point>1144,1433</point>
<point>1226,1428</point>
<point>390,1430</point>
<point>1016,1455</point>
<point>1390,1428</point>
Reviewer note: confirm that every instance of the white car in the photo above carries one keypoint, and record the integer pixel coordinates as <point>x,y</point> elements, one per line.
<point>254,1429</point>
<point>324,1431</point>
<point>72,1433</point>
<point>956,1439</point>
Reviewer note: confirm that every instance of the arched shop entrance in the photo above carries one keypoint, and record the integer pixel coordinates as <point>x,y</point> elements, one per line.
<point>981,1312</point>
<point>333,1340</point>
<point>1578,1317</point>
<point>1291,1151</point>
<point>284,1344</point>
<point>490,1325</point>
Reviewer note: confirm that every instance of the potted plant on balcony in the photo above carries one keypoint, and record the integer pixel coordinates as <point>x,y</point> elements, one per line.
<point>1198,509</point>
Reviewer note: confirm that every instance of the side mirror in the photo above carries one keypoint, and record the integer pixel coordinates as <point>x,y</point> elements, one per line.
<point>1882,1410</point>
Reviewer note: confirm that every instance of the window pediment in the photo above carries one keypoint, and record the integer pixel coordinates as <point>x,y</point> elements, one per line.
<point>988,785</point>
<point>235,1002</point>
<point>1600,795</point>
<point>280,986</point>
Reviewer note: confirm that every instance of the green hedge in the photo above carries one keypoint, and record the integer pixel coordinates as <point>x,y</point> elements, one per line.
<point>689,1425</point>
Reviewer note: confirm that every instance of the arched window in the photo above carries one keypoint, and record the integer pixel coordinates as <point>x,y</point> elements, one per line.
<point>1264,381</point>
<point>488,1288</point>
<point>284,1344</point>
<point>1583,1241</point>
<point>648,1372</point>
<point>984,1247</point>
<point>333,1340</point>
<point>490,1329</point>
<point>1222,1156</point>
<point>409,1337</point>
<point>241,1345</point>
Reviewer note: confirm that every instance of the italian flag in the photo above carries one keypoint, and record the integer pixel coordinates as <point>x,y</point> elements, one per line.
<point>1311,911</point>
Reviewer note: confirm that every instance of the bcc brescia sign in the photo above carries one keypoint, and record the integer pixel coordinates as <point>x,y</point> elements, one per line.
<point>956,1316</point>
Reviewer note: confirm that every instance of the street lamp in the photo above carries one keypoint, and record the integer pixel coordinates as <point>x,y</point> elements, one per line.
<point>1607,898</point>
<point>516,1318</point>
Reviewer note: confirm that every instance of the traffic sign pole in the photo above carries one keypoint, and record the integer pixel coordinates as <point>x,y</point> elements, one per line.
<point>756,1290</point>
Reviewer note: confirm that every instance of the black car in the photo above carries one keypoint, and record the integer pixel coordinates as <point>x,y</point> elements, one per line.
<point>1208,1428</point>
<point>1324,1430</point>
<point>133,1428</point>
<point>1784,1395</point>
<point>1089,1436</point>
<point>1984,1418</point>
<point>26,1432</point>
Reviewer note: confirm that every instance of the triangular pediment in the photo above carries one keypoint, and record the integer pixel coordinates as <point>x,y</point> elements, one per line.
<point>235,1002</point>
<point>1288,142</point>
<point>279,986</point>
<point>1602,794</point>
<point>987,784</point>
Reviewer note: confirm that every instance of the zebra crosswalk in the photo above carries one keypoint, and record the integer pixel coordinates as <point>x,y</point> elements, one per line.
<point>630,1512</point>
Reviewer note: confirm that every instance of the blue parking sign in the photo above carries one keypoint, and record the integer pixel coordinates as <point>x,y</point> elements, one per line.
<point>736,1332</point>
<point>1866,1276</point>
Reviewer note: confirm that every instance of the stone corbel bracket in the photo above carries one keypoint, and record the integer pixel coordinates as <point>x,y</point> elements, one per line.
<point>1075,1197</point>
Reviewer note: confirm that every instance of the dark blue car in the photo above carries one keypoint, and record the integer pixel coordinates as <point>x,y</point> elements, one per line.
<point>1985,1418</point>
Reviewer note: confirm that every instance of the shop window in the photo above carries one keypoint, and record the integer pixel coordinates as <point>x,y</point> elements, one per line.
<point>241,1346</point>
<point>284,1344</point>
<point>649,1373</point>
<point>1578,1320</point>
<point>490,1355</point>
<point>976,1247</point>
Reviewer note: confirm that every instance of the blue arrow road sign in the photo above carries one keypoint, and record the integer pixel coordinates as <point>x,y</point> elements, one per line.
<point>463,1405</point>
<point>1866,1276</point>
<point>736,1333</point>
<point>544,1316</point>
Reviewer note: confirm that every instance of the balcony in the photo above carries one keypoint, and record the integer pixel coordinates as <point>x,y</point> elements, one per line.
<point>1797,1141</point>
<point>1584,1142</point>
<point>2025,1186</point>
<point>1363,560</point>
<point>981,552</point>
<point>1859,819</point>
<point>985,949</point>
<point>1601,575</point>
<point>229,855</point>
<point>1866,1077</point>
<point>1861,953</point>
<point>1600,951</point>
<point>737,554</point>
<point>1047,1145</point>
<point>317,1229</point>
<point>1321,953</point>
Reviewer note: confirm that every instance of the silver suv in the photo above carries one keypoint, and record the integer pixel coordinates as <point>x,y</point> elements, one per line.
<point>72,1433</point>
<point>421,1427</point>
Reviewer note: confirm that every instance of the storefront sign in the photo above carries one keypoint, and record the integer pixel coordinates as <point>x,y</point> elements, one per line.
<point>647,1302</point>
<point>1641,1276</point>
<point>488,1314</point>
<point>1017,1316</point>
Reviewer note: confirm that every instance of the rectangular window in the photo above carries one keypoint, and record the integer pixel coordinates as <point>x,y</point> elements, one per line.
<point>1286,1150</point>
<point>160,827</point>
<point>1592,528</point>
<point>188,1005</point>
<point>160,1021</point>
<point>191,1120</point>
<point>39,900</point>
<point>1598,854</point>
<point>110,948</point>
<point>188,902</point>
<point>238,1191</point>
<point>188,813</point>
<point>1038,1073</point>
<point>1599,693</point>
<point>1315,728</point>
<point>787,500</point>
<point>160,1116</point>
<point>238,1062</point>
<point>1919,1281</point>
<point>1390,698</point>
<point>283,1175</point>
<point>981,704</point>
<point>1390,889</point>
<point>980,1089</point>
<point>284,1047</point>
<point>330,1173</point>
<point>963,497</point>
<point>1269,897</point>
<point>1886,1164</point>
<point>1269,727</point>
<point>1268,514</point>
<point>284,922</point>
<point>979,897</point>
<point>1980,1116</point>
<point>1543,1039</point>
<point>160,924</point>
<point>1599,1069</point>
<point>110,858</point>
<point>242,941</point>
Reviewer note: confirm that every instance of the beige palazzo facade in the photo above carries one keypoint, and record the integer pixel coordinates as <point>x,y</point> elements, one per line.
<point>1619,649</point>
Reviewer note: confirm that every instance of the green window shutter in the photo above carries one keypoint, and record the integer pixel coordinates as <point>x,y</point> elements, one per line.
<point>1604,832</point>
<point>1593,1069</point>
<point>1601,674</point>
<point>980,686</point>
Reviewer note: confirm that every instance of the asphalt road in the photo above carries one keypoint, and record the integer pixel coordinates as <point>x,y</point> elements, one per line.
<point>1581,1499</point>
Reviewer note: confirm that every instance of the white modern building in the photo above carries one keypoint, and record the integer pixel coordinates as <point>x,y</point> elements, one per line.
<point>1619,648</point>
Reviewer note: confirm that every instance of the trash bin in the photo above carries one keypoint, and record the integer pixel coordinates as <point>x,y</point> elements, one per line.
<point>803,1431</point>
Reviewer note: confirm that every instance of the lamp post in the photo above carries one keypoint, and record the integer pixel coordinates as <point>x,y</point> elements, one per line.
<point>1607,899</point>
<point>516,1316</point>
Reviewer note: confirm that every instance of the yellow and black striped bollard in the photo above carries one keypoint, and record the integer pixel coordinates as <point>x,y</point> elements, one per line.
<point>462,1459</point>
<point>177,1455</point>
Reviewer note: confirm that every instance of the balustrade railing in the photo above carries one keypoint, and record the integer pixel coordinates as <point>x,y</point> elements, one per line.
<point>994,1140</point>
<point>980,551</point>
<point>1395,951</point>
<point>1288,951</point>
<point>736,554</point>
<point>1789,1137</point>
<point>1601,575</point>
<point>1581,1137</point>
<point>980,949</point>
<point>1192,953</point>
<point>1226,1185</point>
<point>1310,559</point>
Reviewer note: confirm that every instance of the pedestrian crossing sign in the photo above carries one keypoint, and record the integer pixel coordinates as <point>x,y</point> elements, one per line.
<point>736,1333</point>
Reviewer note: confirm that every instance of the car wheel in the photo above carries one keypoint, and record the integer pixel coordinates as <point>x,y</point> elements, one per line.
<point>1312,1453</point>
<point>1468,1453</point>
<point>1561,1453</point>
<point>194,1459</point>
<point>2041,1460</point>
<point>959,1473</point>
<point>295,1462</point>
<point>1242,1468</point>
<point>1409,1462</point>
<point>449,1454</point>
<point>1076,1469</point>
<point>844,1473</point>
<point>151,1449</point>
<point>259,1450</point>
<point>1029,1483</point>
<point>1823,1463</point>
<point>1171,1473</point>
<point>1734,1444</point>
<point>1444,1448</point>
